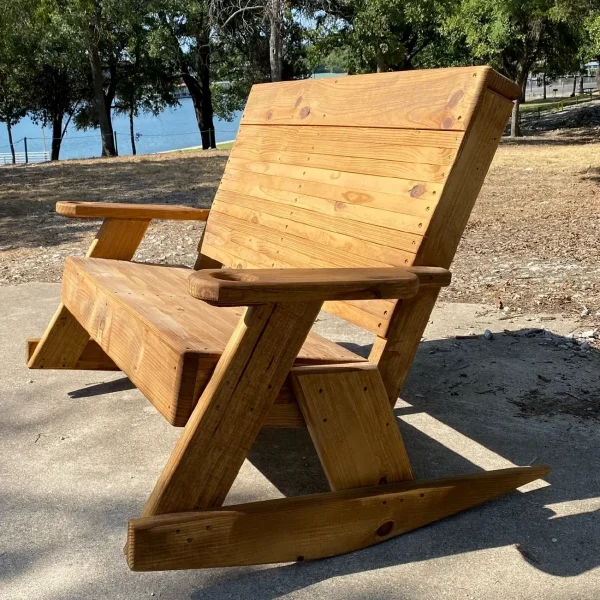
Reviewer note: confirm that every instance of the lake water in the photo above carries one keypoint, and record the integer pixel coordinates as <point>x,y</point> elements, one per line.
<point>173,129</point>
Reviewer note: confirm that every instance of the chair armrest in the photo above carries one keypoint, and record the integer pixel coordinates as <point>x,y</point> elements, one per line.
<point>96,210</point>
<point>244,287</point>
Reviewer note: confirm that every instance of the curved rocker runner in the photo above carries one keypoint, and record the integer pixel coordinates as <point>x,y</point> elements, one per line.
<point>348,195</point>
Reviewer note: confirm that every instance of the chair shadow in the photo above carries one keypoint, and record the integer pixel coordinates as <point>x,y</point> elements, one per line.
<point>478,392</point>
<point>117,385</point>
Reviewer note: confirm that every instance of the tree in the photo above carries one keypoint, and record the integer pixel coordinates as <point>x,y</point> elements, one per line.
<point>57,81</point>
<point>512,36</point>
<point>13,104</point>
<point>144,85</point>
<point>99,30</point>
<point>382,35</point>
<point>180,37</point>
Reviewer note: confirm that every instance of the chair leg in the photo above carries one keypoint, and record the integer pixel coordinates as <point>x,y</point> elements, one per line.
<point>62,343</point>
<point>65,340</point>
<point>232,408</point>
<point>352,425</point>
<point>309,527</point>
<point>395,353</point>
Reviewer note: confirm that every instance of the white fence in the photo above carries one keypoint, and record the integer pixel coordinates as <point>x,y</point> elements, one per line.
<point>24,157</point>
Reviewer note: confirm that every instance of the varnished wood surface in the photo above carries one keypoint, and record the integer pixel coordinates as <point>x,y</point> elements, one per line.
<point>421,99</point>
<point>92,357</point>
<point>233,407</point>
<point>232,287</point>
<point>352,425</point>
<point>309,527</point>
<point>163,339</point>
<point>121,210</point>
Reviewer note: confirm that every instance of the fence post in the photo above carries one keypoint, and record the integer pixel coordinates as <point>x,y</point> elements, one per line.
<point>116,144</point>
<point>26,155</point>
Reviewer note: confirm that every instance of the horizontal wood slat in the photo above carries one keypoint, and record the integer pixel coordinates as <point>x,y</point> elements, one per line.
<point>381,166</point>
<point>404,188</point>
<point>365,240</point>
<point>310,193</point>
<point>422,99</point>
<point>403,145</point>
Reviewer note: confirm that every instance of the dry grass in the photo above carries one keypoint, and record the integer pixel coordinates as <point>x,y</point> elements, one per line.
<point>533,241</point>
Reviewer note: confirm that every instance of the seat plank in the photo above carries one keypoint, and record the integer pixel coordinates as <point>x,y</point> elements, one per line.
<point>163,339</point>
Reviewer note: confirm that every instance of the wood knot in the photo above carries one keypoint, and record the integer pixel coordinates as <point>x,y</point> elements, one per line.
<point>269,115</point>
<point>455,98</point>
<point>305,112</point>
<point>447,123</point>
<point>385,529</point>
<point>298,102</point>
<point>417,191</point>
<point>340,205</point>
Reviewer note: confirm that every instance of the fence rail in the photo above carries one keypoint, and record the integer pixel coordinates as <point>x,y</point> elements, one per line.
<point>6,158</point>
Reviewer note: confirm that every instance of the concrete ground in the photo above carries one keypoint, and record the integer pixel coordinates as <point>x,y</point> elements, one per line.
<point>80,452</point>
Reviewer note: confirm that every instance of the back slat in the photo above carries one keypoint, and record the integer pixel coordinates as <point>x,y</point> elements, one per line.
<point>344,173</point>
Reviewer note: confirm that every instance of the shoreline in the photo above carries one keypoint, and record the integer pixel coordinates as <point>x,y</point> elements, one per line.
<point>192,148</point>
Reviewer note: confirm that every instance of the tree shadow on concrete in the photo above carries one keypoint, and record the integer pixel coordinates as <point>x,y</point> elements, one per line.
<point>28,195</point>
<point>460,414</point>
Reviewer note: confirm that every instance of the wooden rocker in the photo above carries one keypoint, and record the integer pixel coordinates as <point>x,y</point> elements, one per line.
<point>346,194</point>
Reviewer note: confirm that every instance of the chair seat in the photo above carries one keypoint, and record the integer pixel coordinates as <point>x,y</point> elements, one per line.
<point>163,339</point>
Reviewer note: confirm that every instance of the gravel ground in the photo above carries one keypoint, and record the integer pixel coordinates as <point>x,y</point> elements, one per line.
<point>532,243</point>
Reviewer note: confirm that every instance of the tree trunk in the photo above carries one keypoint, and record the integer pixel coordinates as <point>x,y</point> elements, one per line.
<point>203,109</point>
<point>581,83</point>
<point>10,141</point>
<point>515,126</point>
<point>515,123</point>
<point>276,39</point>
<point>103,113</point>
<point>132,132</point>
<point>544,85</point>
<point>574,86</point>
<point>56,137</point>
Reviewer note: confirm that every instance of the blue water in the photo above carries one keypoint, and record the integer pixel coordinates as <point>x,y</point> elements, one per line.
<point>173,129</point>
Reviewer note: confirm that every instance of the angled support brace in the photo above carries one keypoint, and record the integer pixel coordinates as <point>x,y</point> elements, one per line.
<point>65,340</point>
<point>233,407</point>
<point>352,425</point>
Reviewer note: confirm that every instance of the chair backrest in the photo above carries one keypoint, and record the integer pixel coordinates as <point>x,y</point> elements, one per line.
<point>358,171</point>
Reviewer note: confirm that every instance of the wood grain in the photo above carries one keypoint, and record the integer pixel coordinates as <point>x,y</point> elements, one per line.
<point>119,210</point>
<point>233,287</point>
<point>309,527</point>
<point>352,425</point>
<point>233,407</point>
<point>92,357</point>
<point>422,99</point>
<point>65,339</point>
<point>163,339</point>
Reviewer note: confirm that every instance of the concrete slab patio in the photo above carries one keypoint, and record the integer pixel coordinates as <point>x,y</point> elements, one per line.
<point>80,452</point>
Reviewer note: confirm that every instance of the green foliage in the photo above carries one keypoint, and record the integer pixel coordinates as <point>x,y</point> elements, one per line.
<point>381,35</point>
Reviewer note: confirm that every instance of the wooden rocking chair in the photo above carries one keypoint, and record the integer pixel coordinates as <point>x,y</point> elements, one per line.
<point>346,194</point>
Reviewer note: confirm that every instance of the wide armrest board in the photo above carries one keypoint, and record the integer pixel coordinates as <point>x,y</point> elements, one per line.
<point>116,210</point>
<point>242,287</point>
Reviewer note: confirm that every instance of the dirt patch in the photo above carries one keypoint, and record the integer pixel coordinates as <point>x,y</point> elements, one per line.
<point>536,403</point>
<point>34,240</point>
